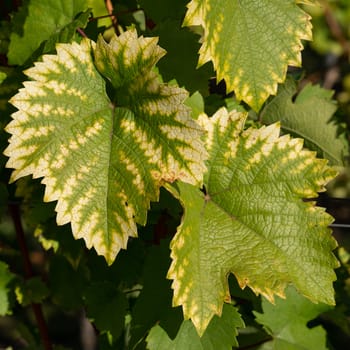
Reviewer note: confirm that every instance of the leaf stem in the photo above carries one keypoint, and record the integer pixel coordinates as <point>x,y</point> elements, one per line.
<point>113,14</point>
<point>28,272</point>
<point>81,32</point>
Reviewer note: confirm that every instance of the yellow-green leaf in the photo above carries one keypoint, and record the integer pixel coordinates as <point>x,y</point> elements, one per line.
<point>251,42</point>
<point>251,221</point>
<point>103,161</point>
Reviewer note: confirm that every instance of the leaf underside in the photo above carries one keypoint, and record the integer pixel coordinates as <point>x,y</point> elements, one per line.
<point>251,221</point>
<point>251,43</point>
<point>103,161</point>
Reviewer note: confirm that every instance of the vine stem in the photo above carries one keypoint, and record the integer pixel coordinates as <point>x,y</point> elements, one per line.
<point>81,32</point>
<point>28,272</point>
<point>110,9</point>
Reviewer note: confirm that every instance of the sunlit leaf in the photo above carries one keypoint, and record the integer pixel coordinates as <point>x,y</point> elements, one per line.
<point>251,221</point>
<point>103,160</point>
<point>251,43</point>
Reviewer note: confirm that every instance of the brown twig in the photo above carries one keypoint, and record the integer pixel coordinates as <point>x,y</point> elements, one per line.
<point>81,32</point>
<point>28,272</point>
<point>110,9</point>
<point>335,29</point>
<point>123,12</point>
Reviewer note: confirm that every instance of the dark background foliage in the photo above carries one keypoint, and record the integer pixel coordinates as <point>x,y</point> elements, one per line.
<point>61,293</point>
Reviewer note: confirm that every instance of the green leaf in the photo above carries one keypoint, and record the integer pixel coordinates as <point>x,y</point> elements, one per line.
<point>154,303</point>
<point>222,331</point>
<point>106,307</point>
<point>2,77</point>
<point>252,221</point>
<point>308,117</point>
<point>44,19</point>
<point>5,277</point>
<point>187,338</point>
<point>33,290</point>
<point>221,334</point>
<point>66,33</point>
<point>251,43</point>
<point>196,103</point>
<point>67,284</point>
<point>182,46</point>
<point>103,161</point>
<point>287,322</point>
<point>160,10</point>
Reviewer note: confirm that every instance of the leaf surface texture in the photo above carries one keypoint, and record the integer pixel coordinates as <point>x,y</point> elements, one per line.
<point>103,160</point>
<point>251,221</point>
<point>308,117</point>
<point>250,42</point>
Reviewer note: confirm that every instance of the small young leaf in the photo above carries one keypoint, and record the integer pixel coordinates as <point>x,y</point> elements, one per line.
<point>251,43</point>
<point>287,322</point>
<point>308,117</point>
<point>251,221</point>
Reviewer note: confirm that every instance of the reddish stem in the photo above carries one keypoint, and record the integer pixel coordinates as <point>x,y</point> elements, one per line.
<point>28,272</point>
<point>110,9</point>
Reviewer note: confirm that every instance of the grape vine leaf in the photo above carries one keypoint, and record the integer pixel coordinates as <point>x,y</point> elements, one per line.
<point>5,277</point>
<point>66,34</point>
<point>2,77</point>
<point>32,290</point>
<point>106,307</point>
<point>103,161</point>
<point>287,322</point>
<point>154,302</point>
<point>251,221</point>
<point>220,334</point>
<point>43,19</point>
<point>67,283</point>
<point>308,117</point>
<point>251,43</point>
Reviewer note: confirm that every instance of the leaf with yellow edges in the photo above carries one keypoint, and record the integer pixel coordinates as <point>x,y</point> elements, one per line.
<point>103,161</point>
<point>250,42</point>
<point>251,221</point>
